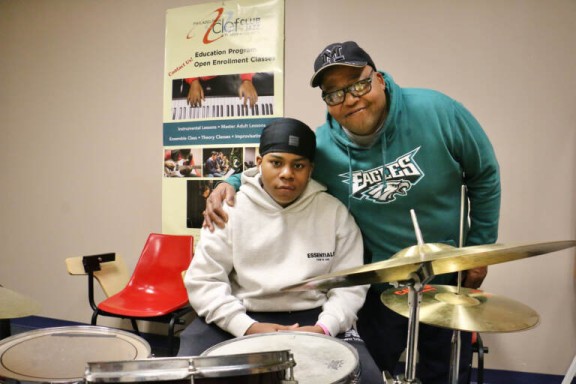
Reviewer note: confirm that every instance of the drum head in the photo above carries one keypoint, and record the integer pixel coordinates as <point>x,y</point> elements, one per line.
<point>318,358</point>
<point>61,354</point>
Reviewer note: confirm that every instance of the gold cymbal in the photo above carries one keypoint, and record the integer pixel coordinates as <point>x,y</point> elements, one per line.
<point>469,310</point>
<point>442,258</point>
<point>13,304</point>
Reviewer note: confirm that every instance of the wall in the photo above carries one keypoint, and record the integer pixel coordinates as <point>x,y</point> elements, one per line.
<point>80,121</point>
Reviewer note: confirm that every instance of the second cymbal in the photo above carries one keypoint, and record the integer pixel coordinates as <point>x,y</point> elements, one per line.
<point>469,310</point>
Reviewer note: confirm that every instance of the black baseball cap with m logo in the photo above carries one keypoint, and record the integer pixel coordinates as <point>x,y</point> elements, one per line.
<point>347,53</point>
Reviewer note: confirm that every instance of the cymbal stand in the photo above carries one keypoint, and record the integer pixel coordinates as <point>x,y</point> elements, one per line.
<point>415,286</point>
<point>456,335</point>
<point>455,357</point>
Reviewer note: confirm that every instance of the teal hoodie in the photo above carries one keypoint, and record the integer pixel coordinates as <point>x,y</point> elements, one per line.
<point>430,146</point>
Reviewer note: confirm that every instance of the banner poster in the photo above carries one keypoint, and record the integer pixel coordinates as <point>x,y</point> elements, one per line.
<point>223,82</point>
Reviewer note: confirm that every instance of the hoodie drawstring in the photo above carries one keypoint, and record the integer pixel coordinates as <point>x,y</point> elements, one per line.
<point>349,178</point>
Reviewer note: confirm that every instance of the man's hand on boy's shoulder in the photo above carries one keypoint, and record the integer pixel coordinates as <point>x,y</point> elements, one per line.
<point>214,213</point>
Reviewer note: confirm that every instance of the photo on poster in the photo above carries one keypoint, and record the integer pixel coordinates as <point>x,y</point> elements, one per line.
<point>218,96</point>
<point>249,157</point>
<point>183,162</point>
<point>222,162</point>
<point>197,192</point>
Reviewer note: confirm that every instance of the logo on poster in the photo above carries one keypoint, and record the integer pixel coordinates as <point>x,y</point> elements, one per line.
<point>224,24</point>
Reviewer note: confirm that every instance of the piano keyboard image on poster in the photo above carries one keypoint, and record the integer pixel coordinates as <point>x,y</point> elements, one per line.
<point>221,97</point>
<point>215,107</point>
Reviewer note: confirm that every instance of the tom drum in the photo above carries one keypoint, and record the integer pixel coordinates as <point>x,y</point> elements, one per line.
<point>61,354</point>
<point>319,358</point>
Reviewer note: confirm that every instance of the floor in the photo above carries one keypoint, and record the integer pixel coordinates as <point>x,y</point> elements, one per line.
<point>492,376</point>
<point>159,347</point>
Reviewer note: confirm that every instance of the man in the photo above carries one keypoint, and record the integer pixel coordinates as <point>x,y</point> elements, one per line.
<point>212,167</point>
<point>284,228</point>
<point>383,151</point>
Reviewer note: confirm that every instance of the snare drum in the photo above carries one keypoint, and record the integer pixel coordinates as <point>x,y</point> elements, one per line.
<point>247,368</point>
<point>61,354</point>
<point>319,358</point>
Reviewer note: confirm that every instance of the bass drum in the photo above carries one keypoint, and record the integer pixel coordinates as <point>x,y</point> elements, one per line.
<point>61,354</point>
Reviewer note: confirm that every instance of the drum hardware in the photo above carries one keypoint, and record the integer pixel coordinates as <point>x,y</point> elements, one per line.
<point>415,285</point>
<point>405,268</point>
<point>456,340</point>
<point>455,343</point>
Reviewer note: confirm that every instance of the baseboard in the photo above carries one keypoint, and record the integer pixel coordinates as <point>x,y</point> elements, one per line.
<point>35,322</point>
<point>495,376</point>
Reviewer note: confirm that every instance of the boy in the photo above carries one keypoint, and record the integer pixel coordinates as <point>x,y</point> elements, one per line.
<point>284,228</point>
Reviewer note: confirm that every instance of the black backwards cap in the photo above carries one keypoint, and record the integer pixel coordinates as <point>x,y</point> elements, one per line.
<point>288,135</point>
<point>347,53</point>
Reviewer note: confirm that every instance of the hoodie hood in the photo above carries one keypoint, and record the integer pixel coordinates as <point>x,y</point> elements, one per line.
<point>253,190</point>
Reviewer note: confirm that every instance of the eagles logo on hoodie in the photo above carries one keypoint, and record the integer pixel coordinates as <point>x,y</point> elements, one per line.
<point>384,183</point>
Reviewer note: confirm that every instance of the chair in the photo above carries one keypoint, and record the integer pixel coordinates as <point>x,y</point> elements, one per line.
<point>155,291</point>
<point>109,270</point>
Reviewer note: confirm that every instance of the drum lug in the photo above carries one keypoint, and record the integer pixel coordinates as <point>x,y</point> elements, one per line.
<point>192,370</point>
<point>290,379</point>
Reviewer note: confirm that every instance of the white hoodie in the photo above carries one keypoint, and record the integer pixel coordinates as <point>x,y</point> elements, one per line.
<point>264,248</point>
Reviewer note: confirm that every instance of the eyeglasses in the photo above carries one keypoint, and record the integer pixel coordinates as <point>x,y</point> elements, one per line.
<point>359,88</point>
